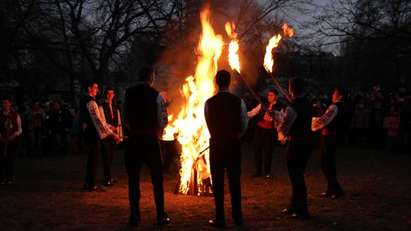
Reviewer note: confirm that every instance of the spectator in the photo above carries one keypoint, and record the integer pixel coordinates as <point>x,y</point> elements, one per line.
<point>392,125</point>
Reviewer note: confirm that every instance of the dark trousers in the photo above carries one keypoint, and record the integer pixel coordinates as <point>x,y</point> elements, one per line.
<point>93,145</point>
<point>226,155</point>
<point>144,150</point>
<point>7,157</point>
<point>107,151</point>
<point>328,163</point>
<point>298,153</point>
<point>264,146</point>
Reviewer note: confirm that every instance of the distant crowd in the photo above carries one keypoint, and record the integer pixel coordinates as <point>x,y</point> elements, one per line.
<point>381,119</point>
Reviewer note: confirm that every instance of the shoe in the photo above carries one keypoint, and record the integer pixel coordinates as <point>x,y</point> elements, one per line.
<point>336,195</point>
<point>325,194</point>
<point>268,176</point>
<point>108,184</point>
<point>164,220</point>
<point>9,182</point>
<point>134,221</point>
<point>217,223</point>
<point>299,216</point>
<point>287,211</point>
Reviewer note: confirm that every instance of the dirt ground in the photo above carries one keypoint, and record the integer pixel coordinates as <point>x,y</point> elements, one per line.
<point>48,196</point>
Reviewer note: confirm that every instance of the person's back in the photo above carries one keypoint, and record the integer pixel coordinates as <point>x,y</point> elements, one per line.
<point>226,118</point>
<point>223,116</point>
<point>140,110</point>
<point>302,125</point>
<point>145,117</point>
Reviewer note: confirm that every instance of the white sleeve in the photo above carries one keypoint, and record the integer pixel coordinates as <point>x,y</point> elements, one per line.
<point>320,122</point>
<point>101,126</point>
<point>244,117</point>
<point>254,111</point>
<point>288,121</point>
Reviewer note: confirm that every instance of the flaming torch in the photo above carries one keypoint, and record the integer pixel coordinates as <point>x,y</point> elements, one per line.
<point>234,60</point>
<point>268,57</point>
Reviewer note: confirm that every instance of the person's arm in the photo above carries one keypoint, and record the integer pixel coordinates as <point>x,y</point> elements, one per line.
<point>102,128</point>
<point>284,126</point>
<point>254,111</point>
<point>19,130</point>
<point>320,122</point>
<point>244,117</point>
<point>162,112</point>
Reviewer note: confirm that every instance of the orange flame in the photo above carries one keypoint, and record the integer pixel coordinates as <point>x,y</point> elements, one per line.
<point>287,30</point>
<point>233,47</point>
<point>273,43</point>
<point>189,125</point>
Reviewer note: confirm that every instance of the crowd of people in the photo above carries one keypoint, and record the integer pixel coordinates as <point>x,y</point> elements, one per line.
<point>340,118</point>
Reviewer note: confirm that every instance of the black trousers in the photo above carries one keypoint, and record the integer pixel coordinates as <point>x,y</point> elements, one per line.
<point>107,151</point>
<point>298,153</point>
<point>144,150</point>
<point>7,158</point>
<point>328,163</point>
<point>264,146</point>
<point>93,144</point>
<point>226,155</point>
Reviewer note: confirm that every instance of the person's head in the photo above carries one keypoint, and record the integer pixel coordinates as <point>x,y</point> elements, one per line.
<point>296,87</point>
<point>7,104</point>
<point>109,94</point>
<point>92,88</point>
<point>271,96</point>
<point>147,75</point>
<point>223,79</point>
<point>338,95</point>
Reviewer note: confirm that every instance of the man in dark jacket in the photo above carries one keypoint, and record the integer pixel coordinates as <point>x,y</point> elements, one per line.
<point>295,128</point>
<point>112,117</point>
<point>94,130</point>
<point>226,117</point>
<point>145,117</point>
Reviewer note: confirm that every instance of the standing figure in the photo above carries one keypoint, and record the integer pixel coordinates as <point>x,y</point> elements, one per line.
<point>295,128</point>
<point>112,117</point>
<point>332,125</point>
<point>94,130</point>
<point>265,134</point>
<point>10,130</point>
<point>145,118</point>
<point>226,117</point>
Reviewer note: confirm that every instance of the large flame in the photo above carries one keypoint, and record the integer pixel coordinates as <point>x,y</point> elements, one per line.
<point>189,126</point>
<point>273,43</point>
<point>233,47</point>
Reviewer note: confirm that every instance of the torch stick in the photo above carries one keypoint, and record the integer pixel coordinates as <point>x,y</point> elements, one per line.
<point>281,89</point>
<point>256,97</point>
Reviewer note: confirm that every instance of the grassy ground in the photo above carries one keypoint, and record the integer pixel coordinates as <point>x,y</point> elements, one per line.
<point>48,196</point>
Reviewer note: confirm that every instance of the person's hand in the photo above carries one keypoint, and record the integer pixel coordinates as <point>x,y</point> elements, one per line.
<point>282,138</point>
<point>116,138</point>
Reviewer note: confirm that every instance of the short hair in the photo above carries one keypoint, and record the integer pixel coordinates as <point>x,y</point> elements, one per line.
<point>341,91</point>
<point>272,91</point>
<point>223,79</point>
<point>297,85</point>
<point>145,73</point>
<point>109,89</point>
<point>90,83</point>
